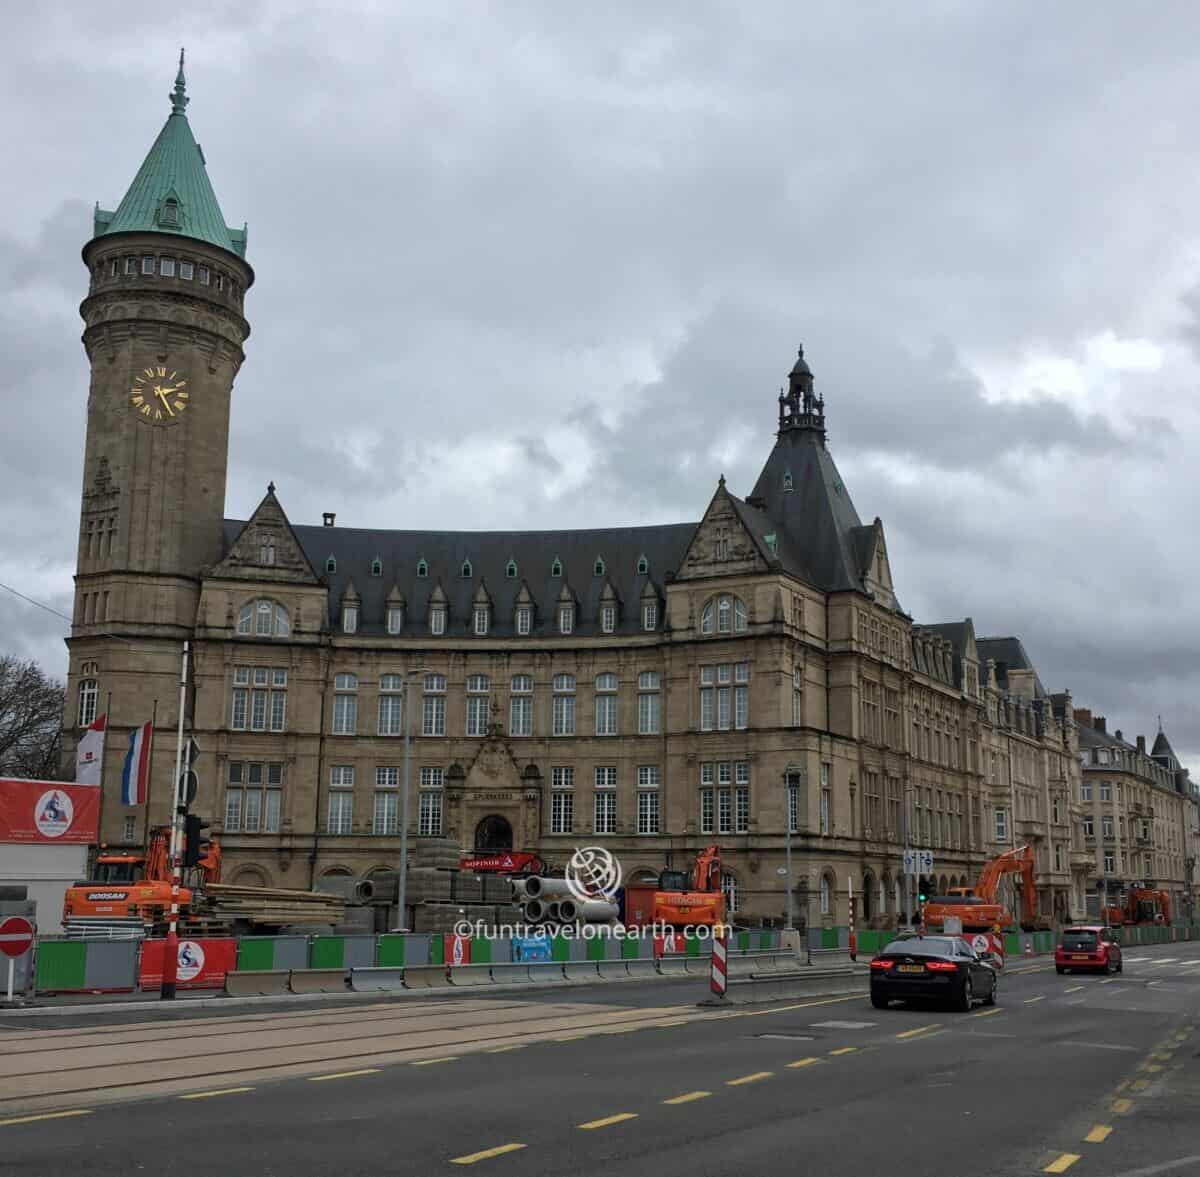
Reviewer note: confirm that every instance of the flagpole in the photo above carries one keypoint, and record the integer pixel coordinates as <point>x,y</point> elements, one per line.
<point>103,758</point>
<point>171,947</point>
<point>149,779</point>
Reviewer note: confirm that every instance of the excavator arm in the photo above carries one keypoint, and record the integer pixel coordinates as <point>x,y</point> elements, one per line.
<point>706,871</point>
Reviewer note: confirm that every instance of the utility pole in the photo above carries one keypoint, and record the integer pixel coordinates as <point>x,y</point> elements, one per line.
<point>171,947</point>
<point>402,886</point>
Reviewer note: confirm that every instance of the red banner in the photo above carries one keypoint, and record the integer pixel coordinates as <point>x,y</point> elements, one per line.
<point>50,812</point>
<point>507,862</point>
<point>456,949</point>
<point>202,963</point>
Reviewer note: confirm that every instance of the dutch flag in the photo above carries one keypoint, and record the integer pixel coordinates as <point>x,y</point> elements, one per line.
<point>137,766</point>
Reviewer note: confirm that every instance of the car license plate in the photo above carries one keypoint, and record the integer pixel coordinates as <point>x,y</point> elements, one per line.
<point>911,968</point>
<point>1079,958</point>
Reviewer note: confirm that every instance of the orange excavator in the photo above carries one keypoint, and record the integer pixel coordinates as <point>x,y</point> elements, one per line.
<point>679,899</point>
<point>1142,906</point>
<point>131,887</point>
<point>977,906</point>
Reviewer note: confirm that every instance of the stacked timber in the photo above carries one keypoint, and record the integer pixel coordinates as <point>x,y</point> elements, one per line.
<point>274,906</point>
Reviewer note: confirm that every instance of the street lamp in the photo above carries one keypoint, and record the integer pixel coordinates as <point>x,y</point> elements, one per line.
<point>402,887</point>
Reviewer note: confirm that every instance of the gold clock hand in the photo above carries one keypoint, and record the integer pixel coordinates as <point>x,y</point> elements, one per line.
<point>162,396</point>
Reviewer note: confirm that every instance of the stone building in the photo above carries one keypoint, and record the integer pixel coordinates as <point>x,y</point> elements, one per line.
<point>653,688</point>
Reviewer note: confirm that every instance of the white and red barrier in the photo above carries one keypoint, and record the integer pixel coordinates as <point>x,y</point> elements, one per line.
<point>719,974</point>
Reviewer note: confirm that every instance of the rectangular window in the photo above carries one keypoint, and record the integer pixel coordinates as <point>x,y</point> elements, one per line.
<point>1105,791</point>
<point>131,265</point>
<point>345,714</point>
<point>723,709</point>
<point>606,715</point>
<point>564,715</point>
<point>341,813</point>
<point>741,707</point>
<point>562,812</point>
<point>606,777</point>
<point>648,714</point>
<point>390,713</point>
<point>202,275</point>
<point>562,777</point>
<point>1107,826</point>
<point>1001,825</point>
<point>524,620</point>
<point>648,812</point>
<point>650,615</point>
<point>741,810</point>
<point>387,777</point>
<point>185,271</point>
<point>166,267</point>
<point>566,618</point>
<point>437,620</point>
<point>1109,864</point>
<point>608,618</point>
<point>429,814</point>
<point>147,265</point>
<point>477,715</point>
<point>433,706</point>
<point>481,615</point>
<point>520,715</point>
<point>431,778</point>
<point>386,820</point>
<point>395,619</point>
<point>706,811</point>
<point>241,698</point>
<point>606,812</point>
<point>724,812</point>
<point>1085,791</point>
<point>793,803</point>
<point>349,619</point>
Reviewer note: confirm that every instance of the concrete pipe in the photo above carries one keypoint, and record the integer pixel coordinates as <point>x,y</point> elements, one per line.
<point>537,887</point>
<point>364,891</point>
<point>536,911</point>
<point>568,910</point>
<point>597,911</point>
<point>519,894</point>
<point>554,910</point>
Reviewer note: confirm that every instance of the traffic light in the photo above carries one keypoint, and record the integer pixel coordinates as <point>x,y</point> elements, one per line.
<point>922,891</point>
<point>195,847</point>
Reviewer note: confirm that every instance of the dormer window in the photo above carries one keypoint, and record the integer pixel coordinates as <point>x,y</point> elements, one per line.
<point>482,615</point>
<point>510,570</point>
<point>330,564</point>
<point>466,572</point>
<point>643,566</point>
<point>787,480</point>
<point>598,567</point>
<point>266,552</point>
<point>349,619</point>
<point>437,620</point>
<point>422,569</point>
<point>650,615</point>
<point>395,618</point>
<point>566,618</point>
<point>524,619</point>
<point>377,567</point>
<point>168,215</point>
<point>556,567</point>
<point>772,542</point>
<point>608,618</point>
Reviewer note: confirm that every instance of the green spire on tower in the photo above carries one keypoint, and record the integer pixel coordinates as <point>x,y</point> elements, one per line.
<point>171,192</point>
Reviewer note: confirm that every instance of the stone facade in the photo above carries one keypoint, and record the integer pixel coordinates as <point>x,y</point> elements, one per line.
<point>654,689</point>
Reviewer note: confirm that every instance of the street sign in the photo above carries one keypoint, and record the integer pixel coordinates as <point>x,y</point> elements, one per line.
<point>16,935</point>
<point>189,782</point>
<point>918,862</point>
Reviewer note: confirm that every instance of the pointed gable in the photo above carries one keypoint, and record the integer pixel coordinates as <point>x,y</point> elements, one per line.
<point>722,543</point>
<point>265,548</point>
<point>873,566</point>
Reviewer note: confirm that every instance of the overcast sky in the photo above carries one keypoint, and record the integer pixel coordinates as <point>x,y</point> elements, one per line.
<point>546,264</point>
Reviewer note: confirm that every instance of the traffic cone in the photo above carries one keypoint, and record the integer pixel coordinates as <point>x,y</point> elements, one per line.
<point>1029,947</point>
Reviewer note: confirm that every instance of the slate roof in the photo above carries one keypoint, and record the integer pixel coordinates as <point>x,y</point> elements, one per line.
<point>1162,750</point>
<point>955,632</point>
<point>174,167</point>
<point>815,519</point>
<point>354,550</point>
<point>1008,654</point>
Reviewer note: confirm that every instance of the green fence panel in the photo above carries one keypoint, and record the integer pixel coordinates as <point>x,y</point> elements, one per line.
<point>868,942</point>
<point>327,952</point>
<point>691,947</point>
<point>481,950</point>
<point>560,948</point>
<point>629,949</point>
<point>255,954</point>
<point>595,948</point>
<point>389,952</point>
<point>829,937</point>
<point>768,940</point>
<point>1012,944</point>
<point>61,964</point>
<point>743,942</point>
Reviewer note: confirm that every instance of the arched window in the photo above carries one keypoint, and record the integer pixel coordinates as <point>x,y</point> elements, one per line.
<point>739,615</point>
<point>826,895</point>
<point>466,572</point>
<point>422,569</point>
<point>264,618</point>
<point>868,897</point>
<point>706,618</point>
<point>377,567</point>
<point>729,886</point>
<point>330,564</point>
<point>556,567</point>
<point>723,614</point>
<point>643,566</point>
<point>345,704</point>
<point>510,570</point>
<point>87,701</point>
<point>598,567</point>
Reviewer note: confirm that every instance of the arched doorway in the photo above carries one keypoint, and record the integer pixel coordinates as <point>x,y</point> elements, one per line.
<point>493,833</point>
<point>867,909</point>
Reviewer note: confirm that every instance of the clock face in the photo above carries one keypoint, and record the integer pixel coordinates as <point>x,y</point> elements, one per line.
<point>159,395</point>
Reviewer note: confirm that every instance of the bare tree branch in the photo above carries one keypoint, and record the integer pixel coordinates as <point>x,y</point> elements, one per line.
<point>31,710</point>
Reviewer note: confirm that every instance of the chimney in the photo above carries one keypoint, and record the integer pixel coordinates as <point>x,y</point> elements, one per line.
<point>1100,724</point>
<point>1141,744</point>
<point>1083,716</point>
<point>328,517</point>
<point>1117,733</point>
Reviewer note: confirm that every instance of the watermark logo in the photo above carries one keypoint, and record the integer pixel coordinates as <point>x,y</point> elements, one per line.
<point>53,814</point>
<point>592,873</point>
<point>190,963</point>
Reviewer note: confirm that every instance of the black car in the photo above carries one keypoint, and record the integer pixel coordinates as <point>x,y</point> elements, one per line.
<point>932,968</point>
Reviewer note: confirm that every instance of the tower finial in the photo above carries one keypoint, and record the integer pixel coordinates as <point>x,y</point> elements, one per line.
<point>179,99</point>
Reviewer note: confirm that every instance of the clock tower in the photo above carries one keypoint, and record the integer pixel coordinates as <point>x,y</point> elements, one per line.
<point>163,332</point>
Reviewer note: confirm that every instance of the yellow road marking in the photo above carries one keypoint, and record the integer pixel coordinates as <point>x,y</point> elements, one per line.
<point>1122,1106</point>
<point>619,1118</point>
<point>222,1091</point>
<point>688,1097</point>
<point>1062,1164</point>
<point>502,1049</point>
<point>754,1078</point>
<point>1108,981</point>
<point>920,1030</point>
<point>782,1009</point>
<point>1162,1056</point>
<point>803,1062</point>
<point>987,1013</point>
<point>568,1037</point>
<point>45,1116</point>
<point>1099,1134</point>
<point>1073,989</point>
<point>344,1075</point>
<point>498,1151</point>
<point>1151,1068</point>
<point>1031,1000</point>
<point>844,1050</point>
<point>429,1062</point>
<point>1140,1084</point>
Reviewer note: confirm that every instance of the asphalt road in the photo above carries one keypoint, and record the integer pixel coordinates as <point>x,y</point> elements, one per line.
<point>1095,1076</point>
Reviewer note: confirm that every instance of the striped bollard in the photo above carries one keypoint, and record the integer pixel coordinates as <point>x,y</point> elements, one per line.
<point>718,977</point>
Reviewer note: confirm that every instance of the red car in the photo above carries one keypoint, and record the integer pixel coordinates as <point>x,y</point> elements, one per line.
<point>1091,947</point>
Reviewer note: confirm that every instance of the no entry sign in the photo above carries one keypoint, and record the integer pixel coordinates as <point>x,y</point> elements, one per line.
<point>16,936</point>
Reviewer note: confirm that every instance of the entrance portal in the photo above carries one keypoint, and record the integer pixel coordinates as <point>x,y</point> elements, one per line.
<point>493,833</point>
